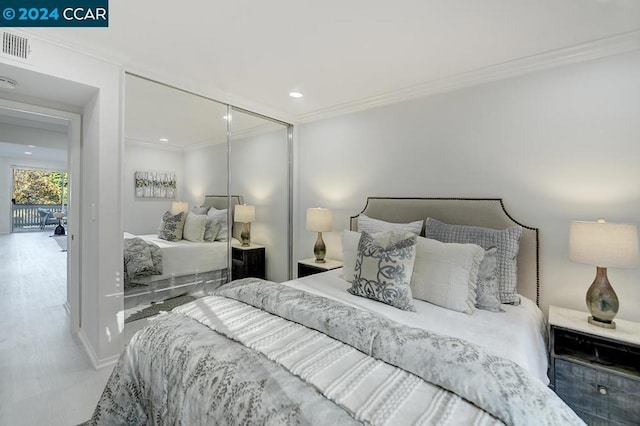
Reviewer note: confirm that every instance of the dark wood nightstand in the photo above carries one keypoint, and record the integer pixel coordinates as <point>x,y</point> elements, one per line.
<point>247,262</point>
<point>310,267</point>
<point>595,370</point>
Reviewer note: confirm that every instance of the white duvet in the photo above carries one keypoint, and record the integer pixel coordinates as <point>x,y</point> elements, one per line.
<point>518,334</point>
<point>186,257</point>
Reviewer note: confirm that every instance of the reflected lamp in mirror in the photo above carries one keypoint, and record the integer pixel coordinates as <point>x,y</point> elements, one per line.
<point>179,206</point>
<point>245,214</point>
<point>319,220</point>
<point>603,245</point>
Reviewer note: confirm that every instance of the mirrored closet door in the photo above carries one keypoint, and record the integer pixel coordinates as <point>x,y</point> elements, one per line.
<point>259,172</point>
<point>206,197</point>
<point>174,197</point>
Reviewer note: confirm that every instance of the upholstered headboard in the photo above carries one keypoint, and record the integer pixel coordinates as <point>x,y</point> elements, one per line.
<point>220,202</point>
<point>486,212</point>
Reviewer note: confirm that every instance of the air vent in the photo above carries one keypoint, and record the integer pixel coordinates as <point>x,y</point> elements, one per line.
<point>15,46</point>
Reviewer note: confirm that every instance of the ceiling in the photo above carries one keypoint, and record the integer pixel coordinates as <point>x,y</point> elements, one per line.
<point>348,55</point>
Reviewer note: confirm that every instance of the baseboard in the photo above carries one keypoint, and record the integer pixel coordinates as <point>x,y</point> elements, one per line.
<point>88,348</point>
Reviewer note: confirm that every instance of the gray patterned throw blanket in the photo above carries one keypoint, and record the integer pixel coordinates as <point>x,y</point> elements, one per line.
<point>282,356</point>
<point>141,259</point>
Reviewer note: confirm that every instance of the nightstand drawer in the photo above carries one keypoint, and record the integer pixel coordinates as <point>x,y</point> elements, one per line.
<point>600,394</point>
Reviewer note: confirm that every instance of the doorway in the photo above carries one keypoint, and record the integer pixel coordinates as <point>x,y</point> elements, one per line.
<point>52,139</point>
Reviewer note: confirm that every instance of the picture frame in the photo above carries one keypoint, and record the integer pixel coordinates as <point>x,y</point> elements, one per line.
<point>155,184</point>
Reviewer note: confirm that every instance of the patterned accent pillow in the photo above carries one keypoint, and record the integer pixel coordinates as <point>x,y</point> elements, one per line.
<point>217,223</point>
<point>446,274</point>
<point>383,269</point>
<point>194,227</point>
<point>370,225</point>
<point>488,290</point>
<point>507,242</point>
<point>171,226</point>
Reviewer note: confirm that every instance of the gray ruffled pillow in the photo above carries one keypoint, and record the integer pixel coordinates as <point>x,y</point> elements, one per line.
<point>506,241</point>
<point>384,265</point>
<point>216,228</point>
<point>171,226</point>
<point>487,289</point>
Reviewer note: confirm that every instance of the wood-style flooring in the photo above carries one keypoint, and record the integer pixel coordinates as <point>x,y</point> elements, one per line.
<point>45,376</point>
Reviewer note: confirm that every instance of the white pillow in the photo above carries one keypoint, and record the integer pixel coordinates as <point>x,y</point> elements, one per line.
<point>372,226</point>
<point>446,274</point>
<point>194,227</point>
<point>350,241</point>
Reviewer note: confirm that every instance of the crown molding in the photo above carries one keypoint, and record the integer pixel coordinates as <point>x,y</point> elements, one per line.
<point>596,49</point>
<point>152,145</point>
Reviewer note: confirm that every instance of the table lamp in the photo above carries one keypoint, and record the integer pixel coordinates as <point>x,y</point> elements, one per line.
<point>245,214</point>
<point>179,206</point>
<point>319,220</point>
<point>603,245</point>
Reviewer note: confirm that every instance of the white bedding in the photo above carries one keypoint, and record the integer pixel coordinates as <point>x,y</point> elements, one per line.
<point>518,334</point>
<point>186,257</point>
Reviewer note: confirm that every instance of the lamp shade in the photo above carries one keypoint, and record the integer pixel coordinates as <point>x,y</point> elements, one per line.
<point>604,244</point>
<point>244,213</point>
<point>179,206</point>
<point>319,219</point>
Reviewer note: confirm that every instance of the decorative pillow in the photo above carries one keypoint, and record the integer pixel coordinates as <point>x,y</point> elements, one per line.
<point>487,290</point>
<point>171,226</point>
<point>506,241</point>
<point>367,224</point>
<point>446,274</point>
<point>218,221</point>
<point>383,269</point>
<point>199,210</point>
<point>137,259</point>
<point>194,227</point>
<point>211,230</point>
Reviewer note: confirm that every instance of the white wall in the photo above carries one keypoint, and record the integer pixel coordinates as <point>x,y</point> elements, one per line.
<point>557,146</point>
<point>102,321</point>
<point>6,165</point>
<point>142,215</point>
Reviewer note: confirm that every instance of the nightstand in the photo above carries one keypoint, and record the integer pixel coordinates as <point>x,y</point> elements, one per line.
<point>247,261</point>
<point>310,267</point>
<point>595,370</point>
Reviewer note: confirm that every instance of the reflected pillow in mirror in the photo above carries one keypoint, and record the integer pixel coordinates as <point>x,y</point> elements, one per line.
<point>194,227</point>
<point>217,221</point>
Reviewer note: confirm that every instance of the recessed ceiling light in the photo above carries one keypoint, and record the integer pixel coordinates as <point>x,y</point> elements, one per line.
<point>295,94</point>
<point>28,152</point>
<point>7,83</point>
<point>164,140</point>
<point>31,146</point>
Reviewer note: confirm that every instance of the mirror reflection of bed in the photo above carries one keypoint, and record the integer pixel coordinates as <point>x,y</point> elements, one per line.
<point>162,274</point>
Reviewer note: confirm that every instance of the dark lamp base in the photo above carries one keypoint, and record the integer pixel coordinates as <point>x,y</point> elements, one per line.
<point>603,324</point>
<point>321,261</point>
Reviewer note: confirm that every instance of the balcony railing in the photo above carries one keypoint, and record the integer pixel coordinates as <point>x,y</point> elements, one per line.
<point>26,216</point>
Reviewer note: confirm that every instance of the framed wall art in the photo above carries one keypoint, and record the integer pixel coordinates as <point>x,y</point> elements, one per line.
<point>155,184</point>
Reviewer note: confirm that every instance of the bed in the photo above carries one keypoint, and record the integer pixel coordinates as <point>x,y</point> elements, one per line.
<point>187,267</point>
<point>303,352</point>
